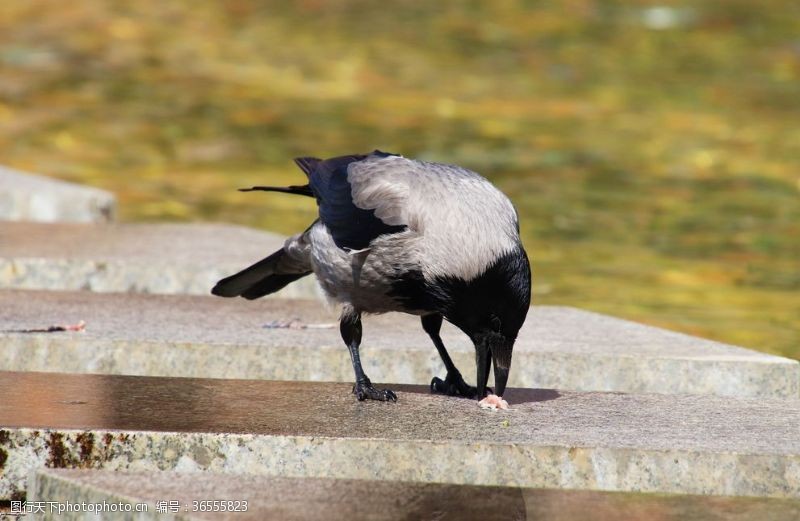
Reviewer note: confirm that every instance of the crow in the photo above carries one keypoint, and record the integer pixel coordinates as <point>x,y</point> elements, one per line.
<point>396,234</point>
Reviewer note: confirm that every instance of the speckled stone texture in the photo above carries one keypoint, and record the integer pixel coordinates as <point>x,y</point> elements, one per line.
<point>145,258</point>
<point>561,348</point>
<point>549,439</point>
<point>28,197</point>
<point>296,499</point>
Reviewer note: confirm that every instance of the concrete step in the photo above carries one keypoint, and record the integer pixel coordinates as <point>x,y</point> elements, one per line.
<point>549,439</point>
<point>562,348</point>
<point>29,197</point>
<point>295,499</point>
<point>147,258</point>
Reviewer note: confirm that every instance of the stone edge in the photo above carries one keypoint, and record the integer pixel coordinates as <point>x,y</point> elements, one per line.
<point>535,466</point>
<point>101,205</point>
<point>553,370</point>
<point>45,485</point>
<point>36,273</point>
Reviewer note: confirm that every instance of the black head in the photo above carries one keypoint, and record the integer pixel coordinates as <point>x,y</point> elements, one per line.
<point>491,310</point>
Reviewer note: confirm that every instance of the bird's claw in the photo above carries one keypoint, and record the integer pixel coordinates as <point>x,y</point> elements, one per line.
<point>453,385</point>
<point>365,391</point>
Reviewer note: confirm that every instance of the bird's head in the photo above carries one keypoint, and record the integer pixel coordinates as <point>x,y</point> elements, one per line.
<point>491,310</point>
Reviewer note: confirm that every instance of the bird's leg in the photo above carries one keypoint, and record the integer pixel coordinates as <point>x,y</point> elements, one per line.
<point>350,327</point>
<point>453,383</point>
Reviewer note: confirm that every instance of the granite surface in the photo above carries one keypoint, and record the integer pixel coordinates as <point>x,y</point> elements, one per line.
<point>147,258</point>
<point>558,347</point>
<point>295,499</point>
<point>549,439</point>
<point>29,197</point>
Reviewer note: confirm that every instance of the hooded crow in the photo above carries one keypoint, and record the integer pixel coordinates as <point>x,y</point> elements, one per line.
<point>396,234</point>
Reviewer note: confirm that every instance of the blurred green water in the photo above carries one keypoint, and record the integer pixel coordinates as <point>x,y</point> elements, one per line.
<point>652,149</point>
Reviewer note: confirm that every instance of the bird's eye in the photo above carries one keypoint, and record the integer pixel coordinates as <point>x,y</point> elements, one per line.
<point>495,323</point>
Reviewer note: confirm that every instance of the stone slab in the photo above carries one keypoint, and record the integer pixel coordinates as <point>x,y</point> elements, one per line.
<point>147,258</point>
<point>29,197</point>
<point>295,499</point>
<point>192,336</point>
<point>549,439</point>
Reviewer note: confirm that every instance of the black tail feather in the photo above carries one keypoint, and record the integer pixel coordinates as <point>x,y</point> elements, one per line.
<point>271,284</point>
<point>257,280</point>
<point>295,189</point>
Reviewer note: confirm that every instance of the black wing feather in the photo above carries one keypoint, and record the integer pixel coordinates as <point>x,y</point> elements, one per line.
<point>351,227</point>
<point>307,164</point>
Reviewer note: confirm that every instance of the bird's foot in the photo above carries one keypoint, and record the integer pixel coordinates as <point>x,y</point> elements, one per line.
<point>453,385</point>
<point>365,391</point>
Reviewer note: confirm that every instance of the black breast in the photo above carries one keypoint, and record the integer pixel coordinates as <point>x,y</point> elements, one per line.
<point>504,289</point>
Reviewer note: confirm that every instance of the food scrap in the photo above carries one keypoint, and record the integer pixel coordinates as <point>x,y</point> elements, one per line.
<point>295,323</point>
<point>493,402</point>
<point>79,326</point>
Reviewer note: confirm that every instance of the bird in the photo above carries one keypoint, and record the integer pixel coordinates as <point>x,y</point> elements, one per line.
<point>396,234</point>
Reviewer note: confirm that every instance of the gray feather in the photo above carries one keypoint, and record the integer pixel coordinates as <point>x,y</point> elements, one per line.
<point>464,223</point>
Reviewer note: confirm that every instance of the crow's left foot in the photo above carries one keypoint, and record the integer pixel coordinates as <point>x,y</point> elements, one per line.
<point>365,391</point>
<point>453,385</point>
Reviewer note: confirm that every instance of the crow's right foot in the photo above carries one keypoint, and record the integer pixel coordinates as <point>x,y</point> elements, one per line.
<point>365,391</point>
<point>453,385</point>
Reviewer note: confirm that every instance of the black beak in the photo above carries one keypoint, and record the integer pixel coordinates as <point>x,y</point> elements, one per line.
<point>500,376</point>
<point>498,355</point>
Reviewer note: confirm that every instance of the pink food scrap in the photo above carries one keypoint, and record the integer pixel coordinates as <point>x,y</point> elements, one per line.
<point>493,402</point>
<point>80,326</point>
